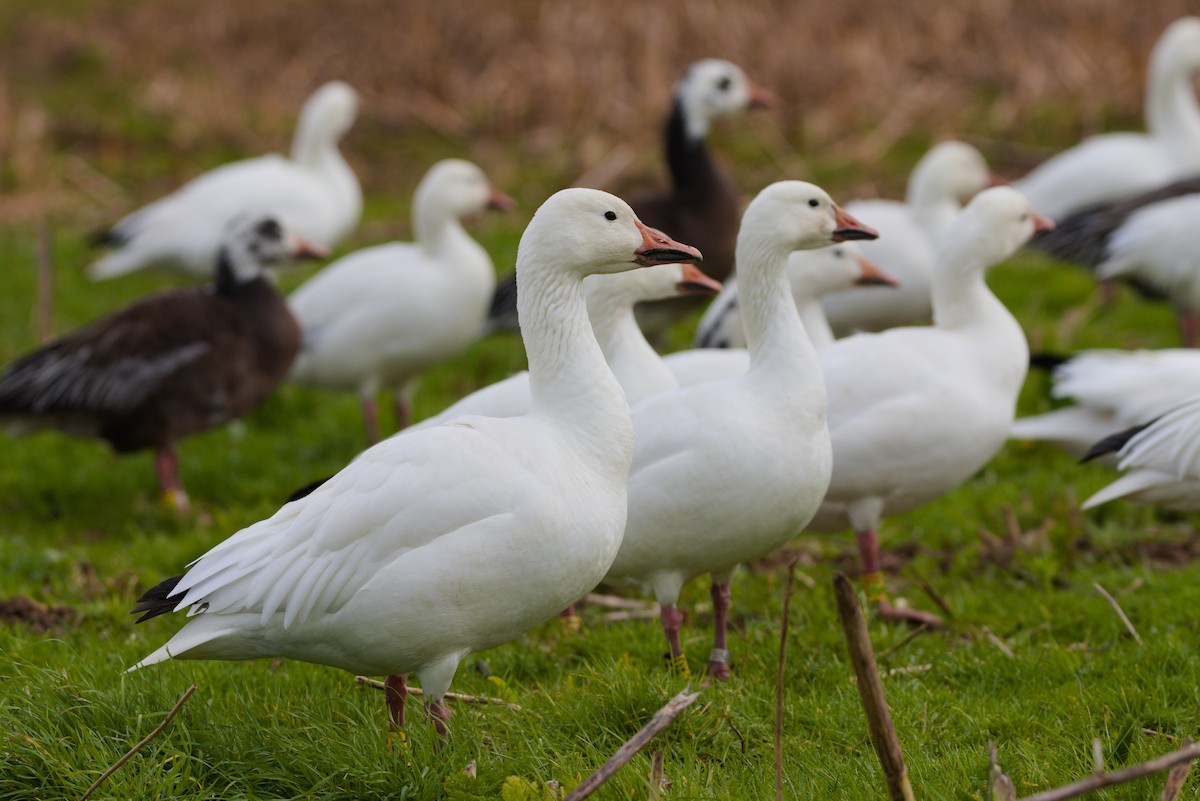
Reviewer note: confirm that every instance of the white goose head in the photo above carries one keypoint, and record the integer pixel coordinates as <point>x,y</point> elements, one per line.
<point>994,225</point>
<point>714,88</point>
<point>326,117</point>
<point>815,273</point>
<point>588,232</point>
<point>950,171</point>
<point>256,241</point>
<point>453,189</point>
<point>795,215</point>
<point>1177,52</point>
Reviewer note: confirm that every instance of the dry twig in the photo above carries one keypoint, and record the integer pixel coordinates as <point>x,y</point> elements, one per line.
<point>657,780</point>
<point>1002,786</point>
<point>662,718</point>
<point>157,730</point>
<point>1184,755</point>
<point>999,643</point>
<point>460,697</point>
<point>783,635</point>
<point>1176,778</point>
<point>870,688</point>
<point>1120,612</point>
<point>912,635</point>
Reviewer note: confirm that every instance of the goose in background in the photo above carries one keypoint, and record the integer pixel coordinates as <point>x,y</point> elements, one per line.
<point>610,302</point>
<point>703,204</point>
<point>686,519</point>
<point>910,233</point>
<point>170,365</point>
<point>915,412</point>
<point>313,193</point>
<point>377,318</point>
<point>813,274</point>
<point>1151,241</point>
<point>1160,458</point>
<point>1112,390</point>
<point>1113,166</point>
<point>442,542</point>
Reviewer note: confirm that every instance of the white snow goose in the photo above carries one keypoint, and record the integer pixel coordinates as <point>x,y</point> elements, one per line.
<point>314,193</point>
<point>1151,241</point>
<point>1109,167</point>
<point>377,318</point>
<point>1161,459</point>
<point>703,204</point>
<point>910,234</point>
<point>437,543</point>
<point>1112,390</point>
<point>915,412</point>
<point>170,365</point>
<point>686,519</point>
<point>813,274</point>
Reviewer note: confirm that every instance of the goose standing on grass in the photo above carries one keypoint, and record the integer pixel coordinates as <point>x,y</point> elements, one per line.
<point>377,318</point>
<point>703,204</point>
<point>438,543</point>
<point>1151,240</point>
<point>909,236</point>
<point>686,519</point>
<point>171,365</point>
<point>1109,167</point>
<point>314,194</point>
<point>813,274</point>
<point>1112,390</point>
<point>610,301</point>
<point>1161,459</point>
<point>915,412</point>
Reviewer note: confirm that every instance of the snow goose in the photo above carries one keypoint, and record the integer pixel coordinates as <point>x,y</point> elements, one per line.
<point>1109,167</point>
<point>170,365</point>
<point>915,412</point>
<point>610,301</point>
<point>1161,457</point>
<point>703,204</point>
<point>686,519</point>
<point>378,317</point>
<point>1151,241</point>
<point>909,236</point>
<point>314,193</point>
<point>812,274</point>
<point>438,543</point>
<point>1112,390</point>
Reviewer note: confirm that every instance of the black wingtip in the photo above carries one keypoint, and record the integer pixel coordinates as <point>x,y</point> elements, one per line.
<point>1113,442</point>
<point>155,601</point>
<point>307,489</point>
<point>103,237</point>
<point>1048,360</point>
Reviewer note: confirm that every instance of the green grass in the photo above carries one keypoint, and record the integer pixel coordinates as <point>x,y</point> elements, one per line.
<point>83,528</point>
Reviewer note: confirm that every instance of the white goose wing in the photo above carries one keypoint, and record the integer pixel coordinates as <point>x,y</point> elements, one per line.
<point>1171,444</point>
<point>1135,386</point>
<point>406,493</point>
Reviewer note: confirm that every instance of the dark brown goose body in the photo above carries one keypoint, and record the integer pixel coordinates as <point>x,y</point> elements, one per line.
<point>167,367</point>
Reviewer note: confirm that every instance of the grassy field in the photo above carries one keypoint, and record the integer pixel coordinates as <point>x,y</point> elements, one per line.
<point>82,532</point>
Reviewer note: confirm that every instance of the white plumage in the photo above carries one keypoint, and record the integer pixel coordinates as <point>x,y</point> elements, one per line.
<point>910,234</point>
<point>437,543</point>
<point>766,431</point>
<point>378,317</point>
<point>313,193</point>
<point>1112,166</point>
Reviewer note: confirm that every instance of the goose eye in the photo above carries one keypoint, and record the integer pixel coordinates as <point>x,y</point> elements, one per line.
<point>838,252</point>
<point>814,202</point>
<point>1024,217</point>
<point>269,229</point>
<point>610,215</point>
<point>725,83</point>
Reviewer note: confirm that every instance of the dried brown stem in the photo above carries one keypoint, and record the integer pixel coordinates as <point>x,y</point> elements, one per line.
<point>1176,778</point>
<point>662,718</point>
<point>1001,785</point>
<point>145,740</point>
<point>1184,755</point>
<point>912,635</point>
<point>656,775</point>
<point>459,697</point>
<point>1120,612</point>
<point>870,688</point>
<point>783,635</point>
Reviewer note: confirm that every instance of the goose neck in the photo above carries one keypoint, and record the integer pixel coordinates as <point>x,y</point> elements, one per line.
<point>569,381</point>
<point>638,368</point>
<point>775,336</point>
<point>688,157</point>
<point>1172,110</point>
<point>961,297</point>
<point>815,322</point>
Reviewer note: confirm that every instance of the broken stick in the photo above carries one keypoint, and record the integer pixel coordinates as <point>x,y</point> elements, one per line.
<point>870,688</point>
